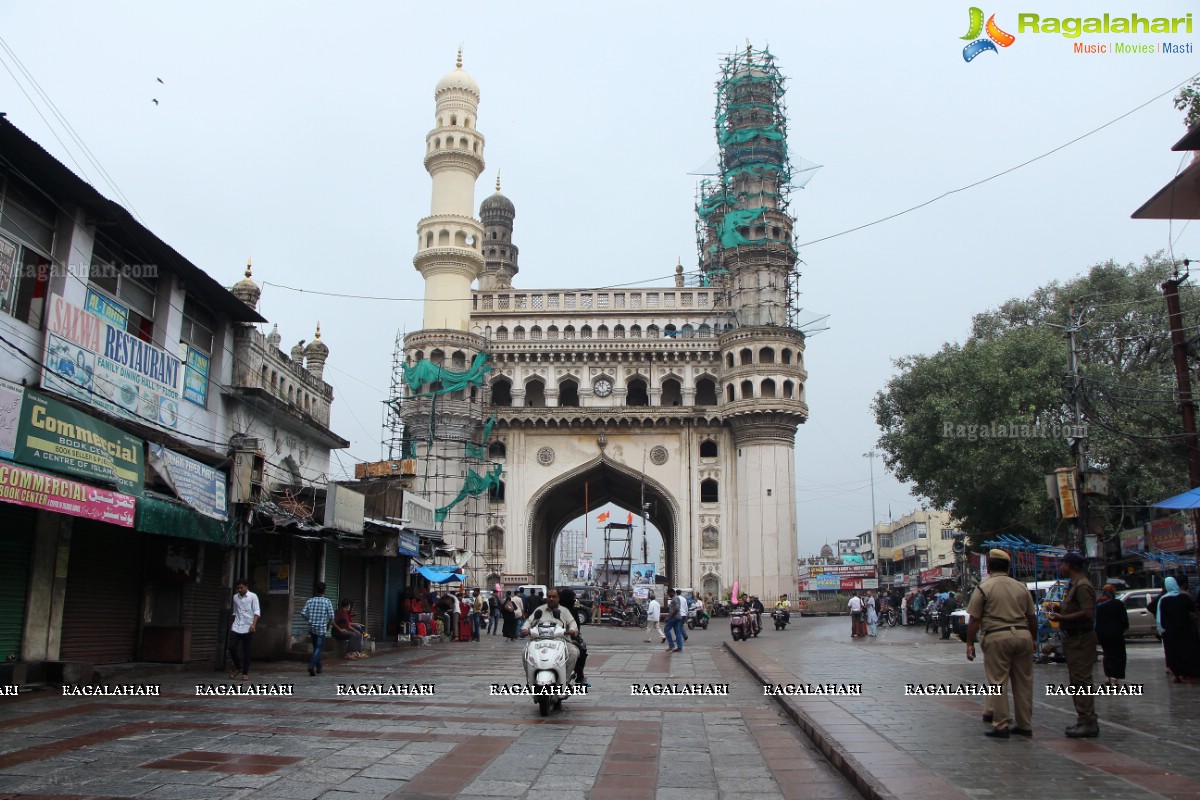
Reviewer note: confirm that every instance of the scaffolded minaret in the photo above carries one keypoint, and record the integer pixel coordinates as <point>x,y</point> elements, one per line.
<point>746,247</point>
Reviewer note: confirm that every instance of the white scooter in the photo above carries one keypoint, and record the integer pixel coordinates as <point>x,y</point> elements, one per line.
<point>549,665</point>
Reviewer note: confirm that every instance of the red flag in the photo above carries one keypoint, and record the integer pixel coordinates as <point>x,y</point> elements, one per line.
<point>629,519</point>
<point>603,517</point>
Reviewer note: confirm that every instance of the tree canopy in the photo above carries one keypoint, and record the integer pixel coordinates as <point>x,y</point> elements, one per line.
<point>976,426</point>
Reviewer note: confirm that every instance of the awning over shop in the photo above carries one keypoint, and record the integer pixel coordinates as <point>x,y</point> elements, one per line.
<point>160,514</point>
<point>440,574</point>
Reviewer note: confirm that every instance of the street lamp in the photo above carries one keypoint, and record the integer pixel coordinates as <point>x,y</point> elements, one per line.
<point>870,454</point>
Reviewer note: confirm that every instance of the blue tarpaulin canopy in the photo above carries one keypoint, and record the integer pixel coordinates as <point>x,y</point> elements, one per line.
<point>441,574</point>
<point>1189,499</point>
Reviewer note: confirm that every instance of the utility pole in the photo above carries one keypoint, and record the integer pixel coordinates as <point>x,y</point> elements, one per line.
<point>1078,452</point>
<point>1187,409</point>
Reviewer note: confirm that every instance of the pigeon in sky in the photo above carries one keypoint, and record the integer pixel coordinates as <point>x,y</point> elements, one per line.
<point>160,80</point>
<point>153,100</point>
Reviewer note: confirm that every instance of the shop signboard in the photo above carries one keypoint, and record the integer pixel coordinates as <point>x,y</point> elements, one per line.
<point>1167,535</point>
<point>850,584</point>
<point>90,359</point>
<point>826,583</point>
<point>870,583</point>
<point>197,484</point>
<point>195,377</point>
<point>278,574</point>
<point>59,438</point>
<point>11,395</point>
<point>408,544</point>
<point>643,574</point>
<point>845,570</point>
<point>33,489</point>
<point>1133,540</point>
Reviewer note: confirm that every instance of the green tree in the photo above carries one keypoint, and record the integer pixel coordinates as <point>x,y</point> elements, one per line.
<point>939,414</point>
<point>1188,101</point>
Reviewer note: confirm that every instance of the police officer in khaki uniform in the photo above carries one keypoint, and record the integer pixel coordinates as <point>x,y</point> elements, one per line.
<point>1002,609</point>
<point>1076,618</point>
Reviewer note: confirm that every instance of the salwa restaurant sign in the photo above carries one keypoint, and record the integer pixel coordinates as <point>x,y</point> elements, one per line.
<point>59,438</point>
<point>90,359</point>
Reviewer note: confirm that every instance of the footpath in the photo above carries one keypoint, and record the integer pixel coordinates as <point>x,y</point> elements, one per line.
<point>932,747</point>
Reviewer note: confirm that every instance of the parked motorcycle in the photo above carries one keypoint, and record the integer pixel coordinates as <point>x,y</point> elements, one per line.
<point>739,624</point>
<point>549,665</point>
<point>781,618</point>
<point>697,619</point>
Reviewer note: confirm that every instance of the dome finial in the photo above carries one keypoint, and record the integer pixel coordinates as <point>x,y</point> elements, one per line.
<point>458,61</point>
<point>248,265</point>
<point>318,334</point>
<point>497,181</point>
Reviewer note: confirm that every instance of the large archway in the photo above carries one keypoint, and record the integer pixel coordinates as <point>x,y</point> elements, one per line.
<point>600,481</point>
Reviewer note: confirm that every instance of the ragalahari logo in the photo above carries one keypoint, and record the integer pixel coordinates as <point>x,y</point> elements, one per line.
<point>995,36</point>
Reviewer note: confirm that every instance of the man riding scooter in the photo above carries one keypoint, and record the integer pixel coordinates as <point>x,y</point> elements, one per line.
<point>784,605</point>
<point>756,611</point>
<point>554,610</point>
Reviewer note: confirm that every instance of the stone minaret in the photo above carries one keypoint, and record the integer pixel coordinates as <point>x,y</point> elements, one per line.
<point>444,426</point>
<point>449,241</point>
<point>499,253</point>
<point>316,354</point>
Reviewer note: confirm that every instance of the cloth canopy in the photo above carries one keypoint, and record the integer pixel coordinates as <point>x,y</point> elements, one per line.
<point>440,574</point>
<point>1189,499</point>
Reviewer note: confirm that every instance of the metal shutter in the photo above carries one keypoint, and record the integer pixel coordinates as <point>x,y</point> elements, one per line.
<point>16,549</point>
<point>304,572</point>
<point>375,598</point>
<point>397,575</point>
<point>333,573</point>
<point>353,580</point>
<point>104,594</point>
<point>202,606</point>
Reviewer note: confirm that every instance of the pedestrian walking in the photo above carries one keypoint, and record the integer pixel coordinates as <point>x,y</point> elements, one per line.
<point>318,611</point>
<point>872,615</point>
<point>246,613</point>
<point>493,614</point>
<point>508,610</point>
<point>674,637</point>
<point>1076,618</point>
<point>856,612</point>
<point>1112,620</point>
<point>1002,610</point>
<point>653,613</point>
<point>1175,624</point>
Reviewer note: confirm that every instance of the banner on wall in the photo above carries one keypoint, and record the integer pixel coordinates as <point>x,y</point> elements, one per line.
<point>90,359</point>
<point>643,574</point>
<point>197,484</point>
<point>11,395</point>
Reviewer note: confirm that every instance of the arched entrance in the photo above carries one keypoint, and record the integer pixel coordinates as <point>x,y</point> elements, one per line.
<point>600,481</point>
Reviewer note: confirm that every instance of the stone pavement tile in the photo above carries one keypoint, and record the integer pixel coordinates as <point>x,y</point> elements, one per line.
<point>490,788</point>
<point>686,794</point>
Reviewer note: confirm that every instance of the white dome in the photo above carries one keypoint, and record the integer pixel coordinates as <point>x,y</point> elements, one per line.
<point>458,79</point>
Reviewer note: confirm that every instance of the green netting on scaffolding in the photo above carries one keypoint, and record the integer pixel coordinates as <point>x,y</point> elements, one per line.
<point>757,168</point>
<point>743,135</point>
<point>474,486</point>
<point>477,450</point>
<point>425,371</point>
<point>727,228</point>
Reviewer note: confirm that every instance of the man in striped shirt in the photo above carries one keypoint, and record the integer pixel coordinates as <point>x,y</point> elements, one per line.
<point>319,613</point>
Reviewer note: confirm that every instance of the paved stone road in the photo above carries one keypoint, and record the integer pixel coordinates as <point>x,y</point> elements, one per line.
<point>932,747</point>
<point>461,742</point>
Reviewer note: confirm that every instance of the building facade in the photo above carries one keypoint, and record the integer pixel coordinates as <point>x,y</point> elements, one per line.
<point>525,408</point>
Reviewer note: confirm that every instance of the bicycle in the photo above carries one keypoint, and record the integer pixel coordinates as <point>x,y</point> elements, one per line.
<point>889,617</point>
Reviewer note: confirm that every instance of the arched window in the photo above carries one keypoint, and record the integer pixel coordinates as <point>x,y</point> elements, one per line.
<point>747,357</point>
<point>535,333</point>
<point>602,332</point>
<point>635,332</point>
<point>710,491</point>
<point>688,331</point>
<point>552,332</point>
<point>519,334</point>
<point>502,334</point>
<point>672,393</point>
<point>585,332</point>
<point>495,544</point>
<point>501,392</point>
<point>458,360</point>
<point>619,332</point>
<point>669,330</point>
<point>789,389</point>
<point>437,357</point>
<point>729,360</point>
<point>747,390</point>
<point>496,493</point>
<point>497,450</point>
<point>729,396</point>
<point>786,356</point>
<point>708,449</point>
<point>635,393</point>
<point>710,539</point>
<point>652,332</point>
<point>706,392</point>
<point>766,356</point>
<point>568,393</point>
<point>569,332</point>
<point>535,394</point>
<point>768,388</point>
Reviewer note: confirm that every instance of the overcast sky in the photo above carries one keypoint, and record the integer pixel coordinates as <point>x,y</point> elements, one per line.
<point>295,132</point>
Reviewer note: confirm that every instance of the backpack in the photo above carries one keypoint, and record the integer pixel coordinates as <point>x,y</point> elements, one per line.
<point>510,606</point>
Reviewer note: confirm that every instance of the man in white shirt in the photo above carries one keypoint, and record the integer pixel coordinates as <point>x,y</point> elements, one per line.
<point>653,613</point>
<point>246,613</point>
<point>856,612</point>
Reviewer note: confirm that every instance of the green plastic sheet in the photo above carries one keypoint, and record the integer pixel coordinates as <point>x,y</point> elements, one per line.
<point>425,371</point>
<point>474,486</point>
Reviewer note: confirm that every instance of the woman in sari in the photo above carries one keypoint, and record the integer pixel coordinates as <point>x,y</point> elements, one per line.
<point>1181,643</point>
<point>1112,621</point>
